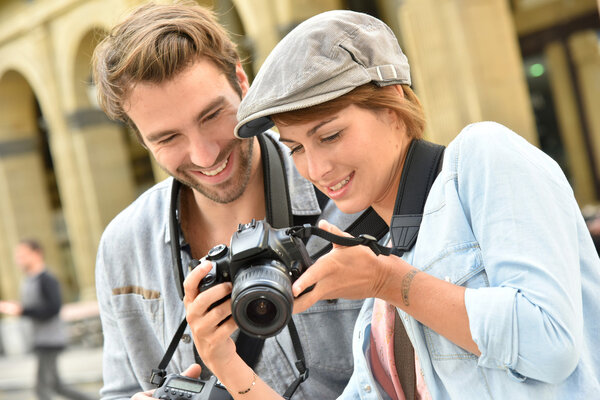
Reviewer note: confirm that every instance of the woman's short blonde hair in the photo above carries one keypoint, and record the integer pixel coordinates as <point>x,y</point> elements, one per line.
<point>369,97</point>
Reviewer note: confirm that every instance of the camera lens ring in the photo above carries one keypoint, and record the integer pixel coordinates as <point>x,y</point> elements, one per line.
<point>262,299</point>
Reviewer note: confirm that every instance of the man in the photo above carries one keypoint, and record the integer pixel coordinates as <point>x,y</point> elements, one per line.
<point>41,302</point>
<point>174,76</point>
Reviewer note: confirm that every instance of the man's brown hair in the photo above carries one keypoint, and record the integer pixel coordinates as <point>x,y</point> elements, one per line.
<point>153,44</point>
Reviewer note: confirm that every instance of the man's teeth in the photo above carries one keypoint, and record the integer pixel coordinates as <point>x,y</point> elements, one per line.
<point>217,170</point>
<point>340,185</point>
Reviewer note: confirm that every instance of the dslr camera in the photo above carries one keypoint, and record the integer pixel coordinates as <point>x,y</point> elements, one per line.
<point>179,387</point>
<point>262,263</point>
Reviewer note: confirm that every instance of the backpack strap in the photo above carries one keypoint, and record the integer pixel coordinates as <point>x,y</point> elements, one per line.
<point>421,167</point>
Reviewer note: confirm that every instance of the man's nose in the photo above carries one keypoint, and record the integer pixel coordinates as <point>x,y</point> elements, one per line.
<point>204,151</point>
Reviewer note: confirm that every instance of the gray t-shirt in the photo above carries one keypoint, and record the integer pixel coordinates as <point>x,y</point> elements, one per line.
<point>40,297</point>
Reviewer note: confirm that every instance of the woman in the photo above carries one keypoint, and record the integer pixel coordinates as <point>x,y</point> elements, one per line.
<point>497,294</point>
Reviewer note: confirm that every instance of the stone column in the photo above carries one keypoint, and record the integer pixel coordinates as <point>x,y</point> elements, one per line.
<point>267,21</point>
<point>571,130</point>
<point>103,163</point>
<point>585,49</point>
<point>25,209</point>
<point>466,65</point>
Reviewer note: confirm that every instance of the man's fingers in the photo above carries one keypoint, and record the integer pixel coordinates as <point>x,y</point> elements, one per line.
<point>191,282</point>
<point>143,395</point>
<point>193,371</point>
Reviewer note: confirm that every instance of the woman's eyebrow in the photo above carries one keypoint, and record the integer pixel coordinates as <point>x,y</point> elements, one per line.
<point>311,131</point>
<point>315,128</point>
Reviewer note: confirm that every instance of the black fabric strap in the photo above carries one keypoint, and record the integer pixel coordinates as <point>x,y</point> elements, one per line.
<point>404,358</point>
<point>277,196</point>
<point>362,239</point>
<point>368,222</point>
<point>300,362</point>
<point>421,167</point>
<point>158,374</point>
<point>174,231</point>
<point>422,164</point>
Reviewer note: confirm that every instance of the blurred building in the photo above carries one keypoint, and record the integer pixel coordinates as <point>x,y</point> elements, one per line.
<point>66,170</point>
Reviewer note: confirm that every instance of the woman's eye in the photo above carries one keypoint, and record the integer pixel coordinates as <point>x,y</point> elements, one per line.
<point>331,138</point>
<point>295,150</point>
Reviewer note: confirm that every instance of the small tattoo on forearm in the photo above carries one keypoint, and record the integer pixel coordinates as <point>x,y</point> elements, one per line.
<point>406,281</point>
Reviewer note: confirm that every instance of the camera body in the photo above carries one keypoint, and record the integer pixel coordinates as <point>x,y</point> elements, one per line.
<point>262,262</point>
<point>179,387</point>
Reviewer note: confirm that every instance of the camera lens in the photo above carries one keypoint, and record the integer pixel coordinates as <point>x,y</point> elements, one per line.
<point>260,311</point>
<point>262,299</point>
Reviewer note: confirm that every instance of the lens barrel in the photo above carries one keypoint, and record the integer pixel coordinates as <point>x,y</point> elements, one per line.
<point>262,299</point>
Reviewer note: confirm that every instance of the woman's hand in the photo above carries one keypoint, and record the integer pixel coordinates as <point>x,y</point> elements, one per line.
<point>345,272</point>
<point>211,327</point>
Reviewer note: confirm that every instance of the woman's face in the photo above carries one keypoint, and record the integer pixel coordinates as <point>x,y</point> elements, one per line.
<point>353,156</point>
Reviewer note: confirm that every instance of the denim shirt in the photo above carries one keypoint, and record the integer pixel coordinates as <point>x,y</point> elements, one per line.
<point>141,309</point>
<point>501,221</point>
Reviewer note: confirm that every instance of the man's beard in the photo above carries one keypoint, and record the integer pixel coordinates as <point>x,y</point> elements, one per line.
<point>234,187</point>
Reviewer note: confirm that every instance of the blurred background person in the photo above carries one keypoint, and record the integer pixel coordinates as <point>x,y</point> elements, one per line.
<point>41,302</point>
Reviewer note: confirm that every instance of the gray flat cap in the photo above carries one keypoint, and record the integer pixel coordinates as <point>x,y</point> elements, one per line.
<point>324,57</point>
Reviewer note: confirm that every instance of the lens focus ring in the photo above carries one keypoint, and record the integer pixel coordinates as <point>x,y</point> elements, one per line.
<point>262,300</point>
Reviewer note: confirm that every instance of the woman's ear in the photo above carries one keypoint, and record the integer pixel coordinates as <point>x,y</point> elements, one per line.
<point>399,89</point>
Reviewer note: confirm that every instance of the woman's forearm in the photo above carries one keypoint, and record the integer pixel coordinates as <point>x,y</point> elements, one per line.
<point>438,304</point>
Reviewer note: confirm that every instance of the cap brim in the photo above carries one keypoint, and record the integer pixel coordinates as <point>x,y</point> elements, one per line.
<point>254,127</point>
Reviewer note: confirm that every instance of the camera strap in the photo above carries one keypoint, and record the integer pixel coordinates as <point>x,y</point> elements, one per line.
<point>279,215</point>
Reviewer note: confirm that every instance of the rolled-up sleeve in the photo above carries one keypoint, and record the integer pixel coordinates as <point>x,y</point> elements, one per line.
<point>524,216</point>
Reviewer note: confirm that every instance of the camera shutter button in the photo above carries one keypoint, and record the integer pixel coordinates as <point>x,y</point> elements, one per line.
<point>216,252</point>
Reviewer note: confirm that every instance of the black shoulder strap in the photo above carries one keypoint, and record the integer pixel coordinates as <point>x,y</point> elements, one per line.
<point>278,214</point>
<point>421,167</point>
<point>277,195</point>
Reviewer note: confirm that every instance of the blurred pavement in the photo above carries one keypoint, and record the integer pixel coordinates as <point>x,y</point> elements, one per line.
<point>80,367</point>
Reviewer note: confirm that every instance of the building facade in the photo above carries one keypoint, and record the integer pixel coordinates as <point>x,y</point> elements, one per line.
<point>66,170</point>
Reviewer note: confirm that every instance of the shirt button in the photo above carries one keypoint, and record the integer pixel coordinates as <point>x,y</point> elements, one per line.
<point>367,388</point>
<point>185,338</point>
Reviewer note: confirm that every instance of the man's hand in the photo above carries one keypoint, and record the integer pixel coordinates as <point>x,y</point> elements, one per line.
<point>211,327</point>
<point>10,308</point>
<point>193,371</point>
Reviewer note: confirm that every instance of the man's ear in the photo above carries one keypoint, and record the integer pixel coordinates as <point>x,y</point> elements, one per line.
<point>242,78</point>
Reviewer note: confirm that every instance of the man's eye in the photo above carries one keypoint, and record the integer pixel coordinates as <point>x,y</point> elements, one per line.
<point>167,139</point>
<point>212,115</point>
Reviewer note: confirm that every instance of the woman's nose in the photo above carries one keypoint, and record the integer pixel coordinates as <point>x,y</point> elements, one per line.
<point>318,166</point>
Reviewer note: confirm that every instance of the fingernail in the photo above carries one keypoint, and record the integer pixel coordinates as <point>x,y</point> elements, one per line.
<point>296,289</point>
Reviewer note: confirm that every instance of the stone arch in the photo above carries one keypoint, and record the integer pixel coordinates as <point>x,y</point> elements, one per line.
<point>88,113</point>
<point>29,199</point>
